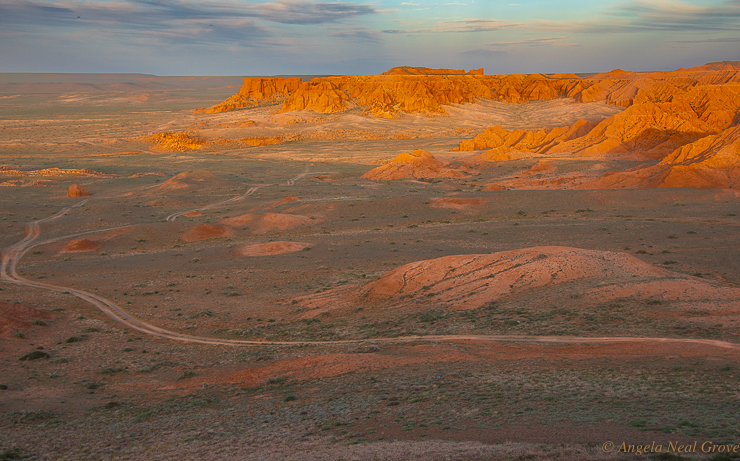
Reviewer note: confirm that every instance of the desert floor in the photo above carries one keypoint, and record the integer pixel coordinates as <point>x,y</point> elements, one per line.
<point>267,329</point>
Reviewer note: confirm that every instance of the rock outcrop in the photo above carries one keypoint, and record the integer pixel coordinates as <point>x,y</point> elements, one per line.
<point>169,141</point>
<point>75,190</point>
<point>53,172</point>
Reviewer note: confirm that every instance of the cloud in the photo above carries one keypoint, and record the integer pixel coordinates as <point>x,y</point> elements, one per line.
<point>484,54</point>
<point>459,26</point>
<point>153,12</point>
<point>664,16</point>
<point>355,33</point>
<point>309,13</point>
<point>542,41</point>
<point>711,40</point>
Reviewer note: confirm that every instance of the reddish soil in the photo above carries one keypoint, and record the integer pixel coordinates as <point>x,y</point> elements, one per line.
<point>455,203</point>
<point>81,245</point>
<point>207,231</point>
<point>270,248</point>
<point>264,223</point>
<point>15,316</point>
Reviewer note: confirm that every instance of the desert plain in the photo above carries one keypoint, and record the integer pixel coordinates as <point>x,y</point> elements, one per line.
<point>425,264</point>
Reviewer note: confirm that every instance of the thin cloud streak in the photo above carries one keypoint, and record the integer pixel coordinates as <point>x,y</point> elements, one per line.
<point>147,13</point>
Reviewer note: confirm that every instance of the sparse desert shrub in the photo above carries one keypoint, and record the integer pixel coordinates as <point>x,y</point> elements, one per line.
<point>39,322</point>
<point>35,355</point>
<point>11,454</point>
<point>289,398</point>
<point>187,374</point>
<point>109,371</point>
<point>74,339</point>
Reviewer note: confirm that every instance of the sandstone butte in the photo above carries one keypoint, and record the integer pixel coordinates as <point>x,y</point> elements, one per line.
<point>419,164</point>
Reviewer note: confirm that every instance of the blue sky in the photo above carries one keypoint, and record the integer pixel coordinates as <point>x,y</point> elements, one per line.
<point>239,37</point>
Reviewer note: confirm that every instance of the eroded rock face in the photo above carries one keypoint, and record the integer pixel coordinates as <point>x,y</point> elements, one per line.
<point>418,164</point>
<point>75,190</point>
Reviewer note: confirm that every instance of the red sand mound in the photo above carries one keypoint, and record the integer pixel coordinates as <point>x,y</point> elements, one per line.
<point>193,214</point>
<point>469,281</point>
<point>270,248</point>
<point>419,164</point>
<point>263,223</point>
<point>287,199</point>
<point>456,203</point>
<point>75,190</point>
<point>189,179</point>
<point>542,167</point>
<point>81,245</point>
<point>494,187</point>
<point>14,316</point>
<point>207,231</point>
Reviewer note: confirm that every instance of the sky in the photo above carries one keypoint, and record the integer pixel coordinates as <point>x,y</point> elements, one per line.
<point>273,37</point>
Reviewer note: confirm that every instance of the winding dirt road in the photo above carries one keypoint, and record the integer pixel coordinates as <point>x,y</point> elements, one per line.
<point>12,255</point>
